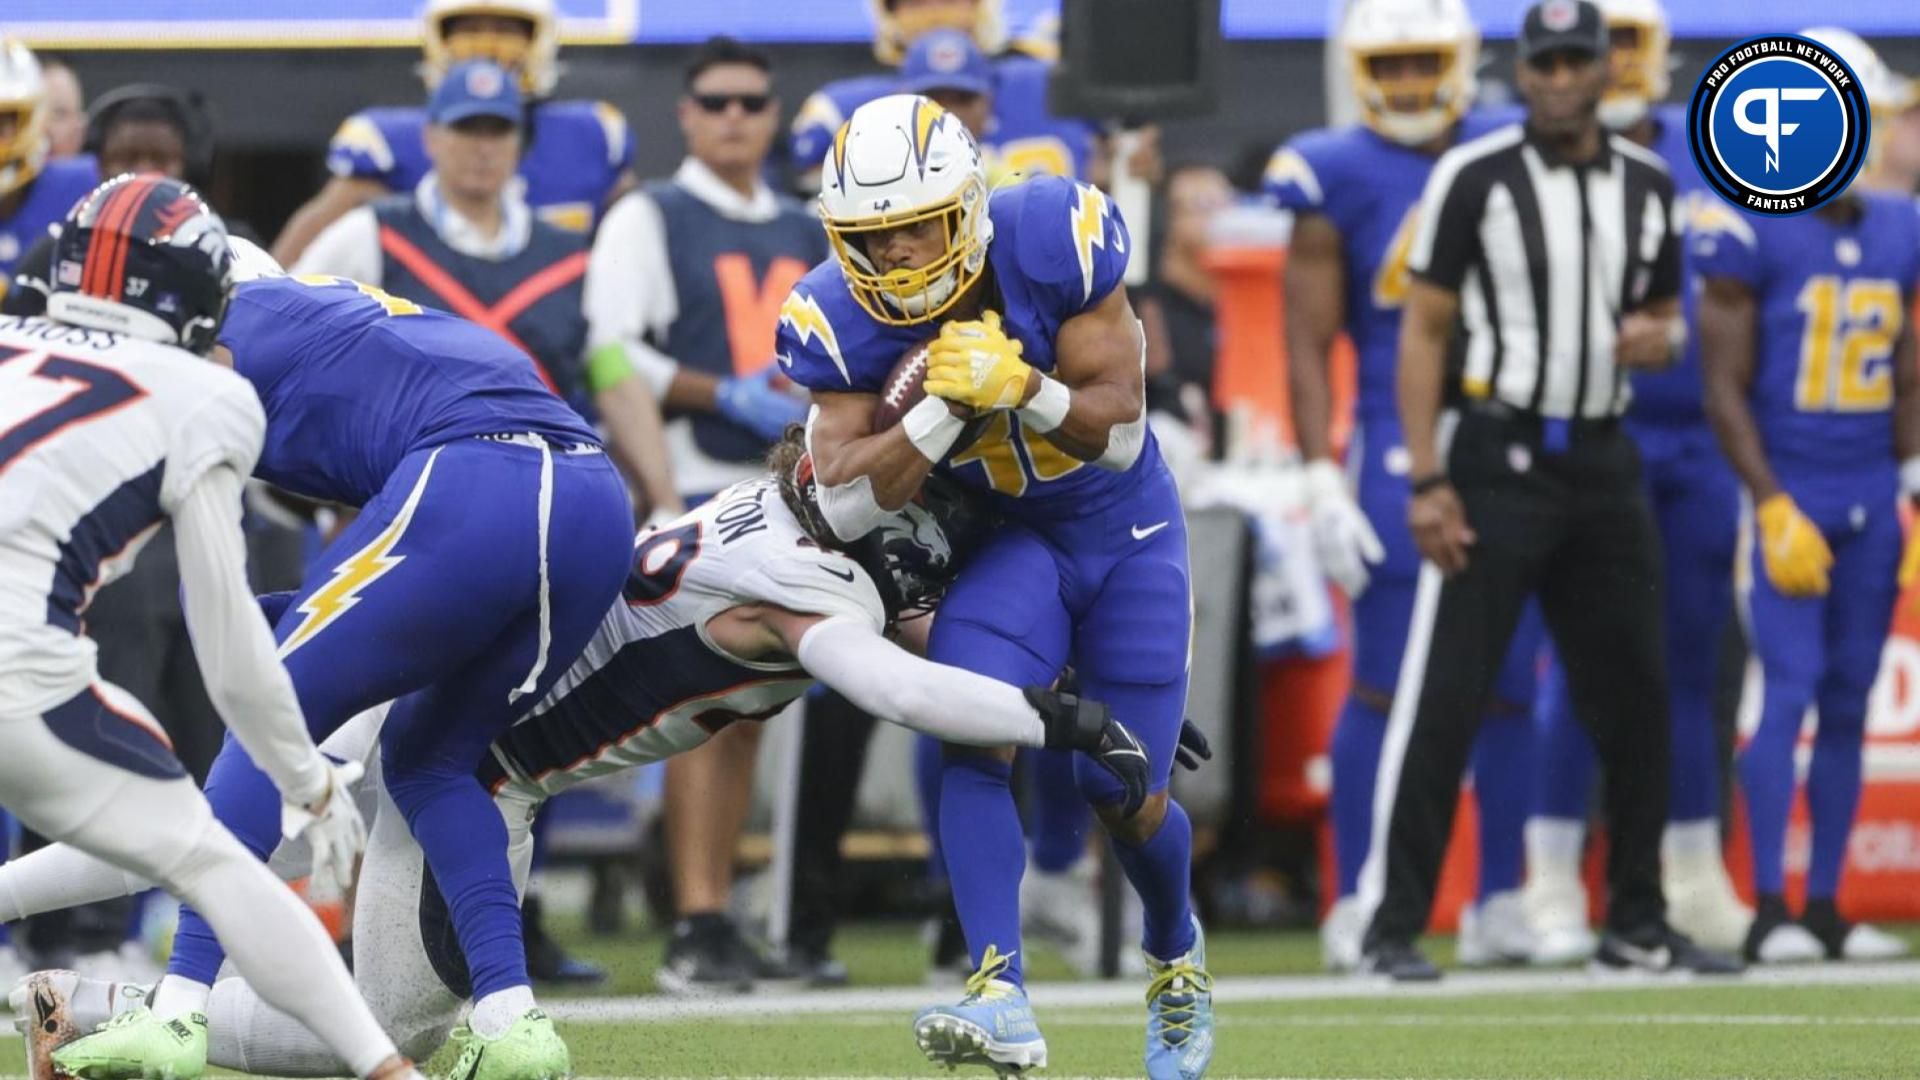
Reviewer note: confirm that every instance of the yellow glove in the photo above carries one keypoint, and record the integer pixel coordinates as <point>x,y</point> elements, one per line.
<point>976,364</point>
<point>1797,556</point>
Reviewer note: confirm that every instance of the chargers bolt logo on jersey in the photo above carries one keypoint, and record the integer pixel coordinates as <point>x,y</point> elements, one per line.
<point>1778,124</point>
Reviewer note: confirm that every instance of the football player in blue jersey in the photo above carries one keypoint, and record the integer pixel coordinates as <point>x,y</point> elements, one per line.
<point>1812,388</point>
<point>1353,192</point>
<point>1695,501</point>
<point>463,608</point>
<point>579,160</point>
<point>35,192</point>
<point>1034,352</point>
<point>1024,136</point>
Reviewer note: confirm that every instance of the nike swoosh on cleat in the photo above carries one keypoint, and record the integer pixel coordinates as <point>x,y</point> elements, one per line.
<point>475,1070</point>
<point>44,1006</point>
<point>1141,534</point>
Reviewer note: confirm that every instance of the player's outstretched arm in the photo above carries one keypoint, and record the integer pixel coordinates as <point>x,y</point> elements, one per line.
<point>953,705</point>
<point>244,676</point>
<point>863,474</point>
<point>1906,399</point>
<point>342,193</point>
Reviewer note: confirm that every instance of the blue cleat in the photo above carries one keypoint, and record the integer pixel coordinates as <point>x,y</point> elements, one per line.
<point>1180,1014</point>
<point>993,1025</point>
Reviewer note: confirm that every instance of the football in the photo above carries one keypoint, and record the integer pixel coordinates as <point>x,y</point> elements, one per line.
<point>906,387</point>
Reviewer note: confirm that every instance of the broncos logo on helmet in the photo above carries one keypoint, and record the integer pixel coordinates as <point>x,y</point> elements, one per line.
<point>142,255</point>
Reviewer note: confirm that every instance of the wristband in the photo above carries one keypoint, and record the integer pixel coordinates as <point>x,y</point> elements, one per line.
<point>1910,477</point>
<point>1676,337</point>
<point>1429,482</point>
<point>1048,409</point>
<point>932,428</point>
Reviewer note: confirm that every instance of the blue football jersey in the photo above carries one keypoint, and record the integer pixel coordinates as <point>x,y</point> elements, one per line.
<point>579,150</point>
<point>1059,248</point>
<point>353,380</point>
<point>1832,298</point>
<point>1024,136</point>
<point>1369,187</point>
<point>1673,395</point>
<point>48,198</point>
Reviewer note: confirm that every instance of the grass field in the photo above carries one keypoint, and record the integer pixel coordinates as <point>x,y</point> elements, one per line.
<point>1279,1020</point>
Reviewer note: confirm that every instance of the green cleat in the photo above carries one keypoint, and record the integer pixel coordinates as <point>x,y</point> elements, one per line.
<point>530,1050</point>
<point>138,1044</point>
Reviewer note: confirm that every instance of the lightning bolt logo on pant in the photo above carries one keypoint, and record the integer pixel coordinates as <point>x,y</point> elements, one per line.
<point>364,567</point>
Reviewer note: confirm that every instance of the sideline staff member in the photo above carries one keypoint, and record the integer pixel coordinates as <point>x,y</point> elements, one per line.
<point>1554,242</point>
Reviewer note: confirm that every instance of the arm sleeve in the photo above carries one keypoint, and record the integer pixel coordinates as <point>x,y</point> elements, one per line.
<point>348,248</point>
<point>1447,242</point>
<point>629,294</point>
<point>244,677</point>
<point>887,681</point>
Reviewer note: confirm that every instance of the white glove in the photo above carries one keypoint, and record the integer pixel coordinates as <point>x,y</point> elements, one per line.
<point>335,834</point>
<point>1343,538</point>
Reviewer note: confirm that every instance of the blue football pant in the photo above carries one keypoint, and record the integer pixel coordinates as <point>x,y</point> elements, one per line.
<point>1037,597</point>
<point>1824,653</point>
<point>433,599</point>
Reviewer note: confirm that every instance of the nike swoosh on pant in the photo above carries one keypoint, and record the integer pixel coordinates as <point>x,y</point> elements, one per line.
<point>1141,534</point>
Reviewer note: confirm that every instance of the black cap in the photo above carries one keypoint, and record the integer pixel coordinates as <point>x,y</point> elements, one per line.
<point>1563,24</point>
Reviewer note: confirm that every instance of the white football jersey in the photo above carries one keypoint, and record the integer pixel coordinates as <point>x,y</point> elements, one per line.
<point>651,683</point>
<point>101,437</point>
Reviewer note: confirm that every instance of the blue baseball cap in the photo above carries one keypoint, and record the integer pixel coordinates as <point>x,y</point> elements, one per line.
<point>475,88</point>
<point>945,60</point>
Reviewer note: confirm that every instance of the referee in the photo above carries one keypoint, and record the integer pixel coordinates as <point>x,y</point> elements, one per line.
<point>1546,266</point>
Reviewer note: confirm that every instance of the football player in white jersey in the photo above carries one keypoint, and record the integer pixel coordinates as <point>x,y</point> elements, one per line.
<point>730,612</point>
<point>111,423</point>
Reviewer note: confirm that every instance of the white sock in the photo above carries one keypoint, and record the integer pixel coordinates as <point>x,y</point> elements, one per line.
<point>1685,840</point>
<point>177,996</point>
<point>495,1013</point>
<point>1554,844</point>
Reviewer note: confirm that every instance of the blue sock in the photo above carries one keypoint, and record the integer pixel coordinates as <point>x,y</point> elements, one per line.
<point>1355,758</point>
<point>1060,814</point>
<point>1833,793</point>
<point>986,855</point>
<point>1502,778</point>
<point>1161,870</point>
<point>1563,752</point>
<point>927,765</point>
<point>245,801</point>
<point>1693,791</point>
<point>1766,778</point>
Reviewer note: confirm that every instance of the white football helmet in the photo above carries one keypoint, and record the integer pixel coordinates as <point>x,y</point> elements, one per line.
<point>901,160</point>
<point>1888,91</point>
<point>1379,30</point>
<point>1642,72</point>
<point>23,100</point>
<point>893,34</point>
<point>535,56</point>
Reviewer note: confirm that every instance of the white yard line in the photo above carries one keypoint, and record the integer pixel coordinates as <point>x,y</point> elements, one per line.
<point>1093,995</point>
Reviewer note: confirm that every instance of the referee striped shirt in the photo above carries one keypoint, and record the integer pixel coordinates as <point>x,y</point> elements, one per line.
<point>1546,256</point>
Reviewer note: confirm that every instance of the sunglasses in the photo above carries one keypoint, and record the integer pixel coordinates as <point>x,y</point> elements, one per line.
<point>717,103</point>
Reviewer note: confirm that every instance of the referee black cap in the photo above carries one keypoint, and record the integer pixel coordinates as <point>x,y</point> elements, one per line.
<point>1573,25</point>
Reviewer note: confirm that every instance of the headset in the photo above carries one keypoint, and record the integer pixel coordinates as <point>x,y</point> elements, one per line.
<point>189,110</point>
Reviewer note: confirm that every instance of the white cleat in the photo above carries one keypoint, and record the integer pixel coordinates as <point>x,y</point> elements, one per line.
<point>1701,902</point>
<point>1555,902</point>
<point>1864,942</point>
<point>1788,943</point>
<point>1495,932</point>
<point>1341,935</point>
<point>1063,910</point>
